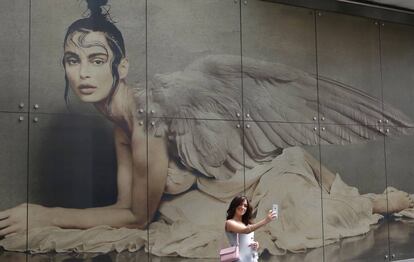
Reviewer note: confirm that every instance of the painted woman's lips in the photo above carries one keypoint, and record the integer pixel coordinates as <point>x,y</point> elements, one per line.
<point>87,89</point>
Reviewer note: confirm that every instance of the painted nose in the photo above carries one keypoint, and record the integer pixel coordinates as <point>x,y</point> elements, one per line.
<point>84,71</point>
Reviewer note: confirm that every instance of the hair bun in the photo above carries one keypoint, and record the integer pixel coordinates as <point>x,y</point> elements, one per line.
<point>95,7</point>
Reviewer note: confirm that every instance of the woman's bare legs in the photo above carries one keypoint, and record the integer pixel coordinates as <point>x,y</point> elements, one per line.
<point>390,202</point>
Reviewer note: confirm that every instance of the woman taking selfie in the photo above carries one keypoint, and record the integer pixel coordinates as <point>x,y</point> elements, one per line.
<point>240,228</point>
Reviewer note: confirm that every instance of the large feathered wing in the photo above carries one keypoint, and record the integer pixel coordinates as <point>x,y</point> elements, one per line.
<point>203,101</point>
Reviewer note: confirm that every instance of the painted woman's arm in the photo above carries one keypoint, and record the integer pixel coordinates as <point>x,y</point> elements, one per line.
<point>118,214</point>
<point>149,174</point>
<point>131,206</point>
<point>14,220</point>
<point>133,176</point>
<point>140,178</point>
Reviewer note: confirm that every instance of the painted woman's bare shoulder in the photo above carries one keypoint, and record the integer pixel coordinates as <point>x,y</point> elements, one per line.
<point>121,136</point>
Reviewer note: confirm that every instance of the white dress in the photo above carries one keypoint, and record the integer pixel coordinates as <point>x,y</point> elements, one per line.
<point>247,254</point>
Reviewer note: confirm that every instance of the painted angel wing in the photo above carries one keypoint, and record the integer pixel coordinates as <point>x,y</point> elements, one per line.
<point>210,89</point>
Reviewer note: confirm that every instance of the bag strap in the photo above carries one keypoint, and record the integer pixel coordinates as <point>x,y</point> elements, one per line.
<point>225,229</point>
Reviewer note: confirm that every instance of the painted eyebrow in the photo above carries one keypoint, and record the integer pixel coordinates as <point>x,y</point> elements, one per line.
<point>69,53</point>
<point>97,54</point>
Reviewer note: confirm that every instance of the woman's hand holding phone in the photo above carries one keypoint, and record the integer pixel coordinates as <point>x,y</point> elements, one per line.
<point>275,209</point>
<point>271,216</point>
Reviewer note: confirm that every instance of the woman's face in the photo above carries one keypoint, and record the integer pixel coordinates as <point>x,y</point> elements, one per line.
<point>88,60</point>
<point>241,209</point>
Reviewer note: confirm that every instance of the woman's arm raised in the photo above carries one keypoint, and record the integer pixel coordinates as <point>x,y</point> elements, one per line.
<point>236,227</point>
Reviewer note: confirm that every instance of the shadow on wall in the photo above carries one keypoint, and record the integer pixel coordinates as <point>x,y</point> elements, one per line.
<point>72,161</point>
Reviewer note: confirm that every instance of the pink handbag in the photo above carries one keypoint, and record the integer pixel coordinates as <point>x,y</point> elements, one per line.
<point>230,254</point>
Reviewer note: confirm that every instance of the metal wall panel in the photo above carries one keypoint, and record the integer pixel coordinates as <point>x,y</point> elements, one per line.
<point>179,33</point>
<point>362,167</point>
<point>194,203</point>
<point>397,57</point>
<point>13,174</point>
<point>13,159</point>
<point>348,52</point>
<point>283,35</point>
<point>400,175</point>
<point>71,161</point>
<point>284,182</point>
<point>48,32</point>
<point>14,58</point>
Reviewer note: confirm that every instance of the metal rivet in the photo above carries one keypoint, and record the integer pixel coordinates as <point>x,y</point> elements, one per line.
<point>314,118</point>
<point>386,121</point>
<point>141,110</point>
<point>319,13</point>
<point>21,118</point>
<point>386,256</point>
<point>35,119</point>
<point>141,123</point>
<point>238,114</point>
<point>247,115</point>
<point>247,126</point>
<point>387,130</point>
<point>323,118</point>
<point>21,105</point>
<point>238,125</point>
<point>36,106</point>
<point>152,111</point>
<point>380,129</point>
<point>245,2</point>
<point>393,256</point>
<point>315,128</point>
<point>380,121</point>
<point>153,123</point>
<point>382,24</point>
<point>323,128</point>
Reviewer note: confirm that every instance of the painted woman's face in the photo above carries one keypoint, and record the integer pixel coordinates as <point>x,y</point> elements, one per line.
<point>241,209</point>
<point>88,60</point>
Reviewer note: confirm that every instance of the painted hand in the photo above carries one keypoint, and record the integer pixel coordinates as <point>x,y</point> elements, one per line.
<point>14,220</point>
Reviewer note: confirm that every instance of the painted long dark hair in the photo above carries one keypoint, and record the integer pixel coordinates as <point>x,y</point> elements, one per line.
<point>237,201</point>
<point>99,21</point>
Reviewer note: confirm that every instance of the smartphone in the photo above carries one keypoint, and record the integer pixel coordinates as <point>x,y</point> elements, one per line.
<point>275,209</point>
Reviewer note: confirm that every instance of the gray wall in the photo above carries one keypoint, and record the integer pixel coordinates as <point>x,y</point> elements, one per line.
<point>57,157</point>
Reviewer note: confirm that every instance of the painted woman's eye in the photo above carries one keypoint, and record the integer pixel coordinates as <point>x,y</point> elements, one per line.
<point>72,61</point>
<point>98,61</point>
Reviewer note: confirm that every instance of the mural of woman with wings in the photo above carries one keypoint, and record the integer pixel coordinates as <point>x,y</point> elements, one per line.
<point>202,164</point>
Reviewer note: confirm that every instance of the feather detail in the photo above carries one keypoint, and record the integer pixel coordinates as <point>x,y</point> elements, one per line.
<point>197,109</point>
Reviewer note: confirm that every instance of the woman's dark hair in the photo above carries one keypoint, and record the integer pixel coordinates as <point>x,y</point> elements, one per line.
<point>237,201</point>
<point>99,21</point>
